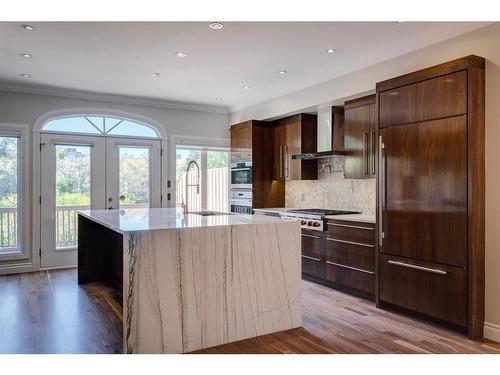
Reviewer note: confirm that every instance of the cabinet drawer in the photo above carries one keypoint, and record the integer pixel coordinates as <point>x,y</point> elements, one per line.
<point>363,233</point>
<point>313,246</point>
<point>426,288</point>
<point>431,99</point>
<point>351,278</point>
<point>313,267</point>
<point>350,254</point>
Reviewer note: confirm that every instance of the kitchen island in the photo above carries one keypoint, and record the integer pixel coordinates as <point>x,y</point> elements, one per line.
<point>190,281</point>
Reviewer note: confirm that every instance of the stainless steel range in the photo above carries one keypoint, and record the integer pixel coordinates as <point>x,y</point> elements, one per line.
<point>313,218</point>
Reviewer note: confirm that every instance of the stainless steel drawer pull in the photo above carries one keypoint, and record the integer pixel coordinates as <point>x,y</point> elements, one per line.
<point>311,236</point>
<point>311,258</point>
<point>350,226</point>
<point>349,242</point>
<point>349,267</point>
<point>415,267</point>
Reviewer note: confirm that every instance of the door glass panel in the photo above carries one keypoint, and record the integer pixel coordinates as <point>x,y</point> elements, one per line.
<point>72,191</point>
<point>217,180</point>
<point>183,157</point>
<point>134,177</point>
<point>9,210</point>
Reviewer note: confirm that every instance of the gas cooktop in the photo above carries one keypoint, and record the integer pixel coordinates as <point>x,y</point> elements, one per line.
<point>321,212</point>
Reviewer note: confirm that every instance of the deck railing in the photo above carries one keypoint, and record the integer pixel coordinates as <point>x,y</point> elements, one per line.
<point>8,228</point>
<point>67,226</point>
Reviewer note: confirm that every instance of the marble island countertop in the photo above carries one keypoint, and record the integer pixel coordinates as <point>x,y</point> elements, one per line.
<point>137,220</point>
<point>350,217</point>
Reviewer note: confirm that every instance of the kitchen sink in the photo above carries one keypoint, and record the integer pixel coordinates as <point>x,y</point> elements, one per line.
<point>210,213</point>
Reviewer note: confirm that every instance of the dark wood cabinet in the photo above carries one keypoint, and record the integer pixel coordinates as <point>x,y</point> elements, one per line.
<point>425,208</point>
<point>313,254</point>
<point>295,135</point>
<point>434,290</point>
<point>241,141</point>
<point>360,137</point>
<point>342,257</point>
<point>431,194</point>
<point>253,140</point>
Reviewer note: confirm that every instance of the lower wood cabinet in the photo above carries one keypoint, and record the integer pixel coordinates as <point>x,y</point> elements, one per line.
<point>434,290</point>
<point>313,254</point>
<point>342,257</point>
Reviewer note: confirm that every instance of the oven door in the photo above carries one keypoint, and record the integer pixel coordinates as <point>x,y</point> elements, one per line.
<point>241,178</point>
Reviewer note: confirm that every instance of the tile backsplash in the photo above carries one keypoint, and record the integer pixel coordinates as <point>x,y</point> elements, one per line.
<point>331,190</point>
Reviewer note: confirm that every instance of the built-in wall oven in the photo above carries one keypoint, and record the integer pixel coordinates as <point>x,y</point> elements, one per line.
<point>241,202</point>
<point>241,175</point>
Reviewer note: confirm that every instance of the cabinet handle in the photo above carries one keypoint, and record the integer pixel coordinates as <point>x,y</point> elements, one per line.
<point>311,258</point>
<point>365,153</point>
<point>311,236</point>
<point>381,170</point>
<point>281,163</point>
<point>286,161</point>
<point>373,142</point>
<point>415,267</point>
<point>349,226</point>
<point>349,242</point>
<point>349,267</point>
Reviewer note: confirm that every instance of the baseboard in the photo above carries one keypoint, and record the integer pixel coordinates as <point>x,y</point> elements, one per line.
<point>9,269</point>
<point>492,331</point>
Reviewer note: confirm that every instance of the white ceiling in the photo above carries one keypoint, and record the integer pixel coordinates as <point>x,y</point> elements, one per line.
<point>117,58</point>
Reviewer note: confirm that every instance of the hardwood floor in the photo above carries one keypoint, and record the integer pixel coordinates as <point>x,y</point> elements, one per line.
<point>47,312</point>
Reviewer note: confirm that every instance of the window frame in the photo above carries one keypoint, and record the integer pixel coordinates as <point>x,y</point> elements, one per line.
<point>99,132</point>
<point>203,145</point>
<point>23,187</point>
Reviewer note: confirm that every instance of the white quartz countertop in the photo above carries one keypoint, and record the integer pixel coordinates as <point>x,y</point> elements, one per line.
<point>136,220</point>
<point>362,218</point>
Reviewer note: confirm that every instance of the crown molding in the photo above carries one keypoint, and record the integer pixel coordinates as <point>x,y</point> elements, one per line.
<point>110,98</point>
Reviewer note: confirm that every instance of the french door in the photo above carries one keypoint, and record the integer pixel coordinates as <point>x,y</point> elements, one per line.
<point>85,172</point>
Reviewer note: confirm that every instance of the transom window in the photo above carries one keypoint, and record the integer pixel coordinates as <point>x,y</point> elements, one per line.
<point>101,125</point>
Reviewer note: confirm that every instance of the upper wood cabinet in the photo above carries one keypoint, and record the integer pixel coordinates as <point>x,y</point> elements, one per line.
<point>254,141</point>
<point>435,98</point>
<point>241,141</point>
<point>360,137</point>
<point>295,135</point>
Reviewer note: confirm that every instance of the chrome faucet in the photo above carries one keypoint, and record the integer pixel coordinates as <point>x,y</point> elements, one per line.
<point>190,163</point>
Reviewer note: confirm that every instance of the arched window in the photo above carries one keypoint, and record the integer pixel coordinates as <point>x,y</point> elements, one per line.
<point>101,125</point>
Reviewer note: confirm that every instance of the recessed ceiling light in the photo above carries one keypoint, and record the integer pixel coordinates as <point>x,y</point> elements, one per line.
<point>28,27</point>
<point>331,50</point>
<point>180,54</point>
<point>25,75</point>
<point>246,87</point>
<point>216,25</point>
<point>154,74</point>
<point>27,55</point>
<point>283,71</point>
<point>219,99</point>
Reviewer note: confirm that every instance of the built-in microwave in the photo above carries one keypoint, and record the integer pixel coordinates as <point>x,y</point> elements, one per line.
<point>241,175</point>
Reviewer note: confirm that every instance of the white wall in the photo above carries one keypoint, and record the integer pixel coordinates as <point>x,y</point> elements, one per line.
<point>484,42</point>
<point>23,108</point>
<point>26,108</point>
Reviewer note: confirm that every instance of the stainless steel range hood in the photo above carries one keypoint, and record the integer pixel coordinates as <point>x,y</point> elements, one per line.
<point>330,134</point>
